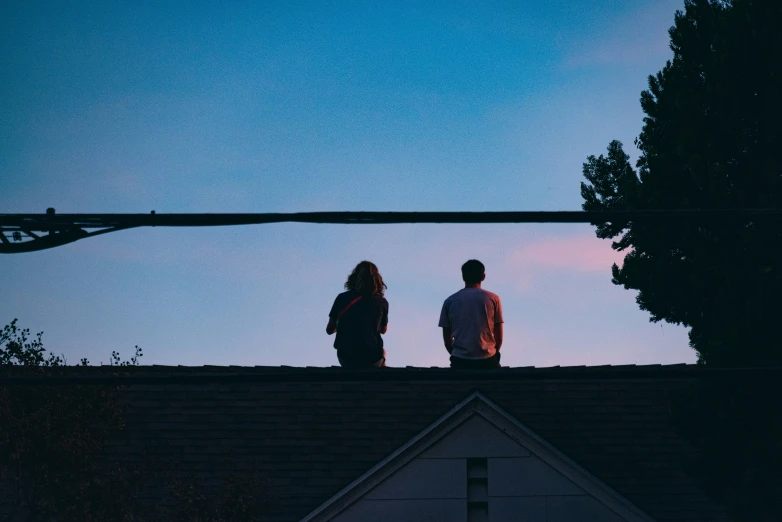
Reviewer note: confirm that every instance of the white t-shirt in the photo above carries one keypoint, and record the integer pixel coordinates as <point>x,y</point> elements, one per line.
<point>471,314</point>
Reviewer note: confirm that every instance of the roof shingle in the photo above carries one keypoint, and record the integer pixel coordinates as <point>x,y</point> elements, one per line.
<point>311,431</point>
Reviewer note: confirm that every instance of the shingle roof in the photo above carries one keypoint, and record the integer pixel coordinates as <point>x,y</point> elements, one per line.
<point>216,374</point>
<point>311,431</point>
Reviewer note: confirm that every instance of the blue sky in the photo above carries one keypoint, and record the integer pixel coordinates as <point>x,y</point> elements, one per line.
<point>199,107</point>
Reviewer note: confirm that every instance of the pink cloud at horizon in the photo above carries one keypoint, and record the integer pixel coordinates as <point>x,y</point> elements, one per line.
<point>584,253</point>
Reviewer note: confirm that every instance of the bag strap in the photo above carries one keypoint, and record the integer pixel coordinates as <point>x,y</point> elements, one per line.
<point>354,301</point>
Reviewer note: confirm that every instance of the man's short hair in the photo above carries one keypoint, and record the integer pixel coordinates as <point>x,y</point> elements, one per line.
<point>472,271</point>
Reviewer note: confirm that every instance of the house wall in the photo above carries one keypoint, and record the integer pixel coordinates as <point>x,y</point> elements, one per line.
<point>477,473</point>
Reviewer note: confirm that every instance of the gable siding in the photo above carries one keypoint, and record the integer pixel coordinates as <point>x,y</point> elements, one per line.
<point>476,438</point>
<point>521,486</point>
<point>527,477</point>
<point>425,479</point>
<point>549,509</point>
<point>405,510</point>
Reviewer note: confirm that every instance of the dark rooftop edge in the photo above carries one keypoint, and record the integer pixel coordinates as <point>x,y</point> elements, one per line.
<point>263,374</point>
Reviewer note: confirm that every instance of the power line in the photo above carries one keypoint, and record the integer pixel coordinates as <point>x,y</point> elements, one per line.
<point>30,232</point>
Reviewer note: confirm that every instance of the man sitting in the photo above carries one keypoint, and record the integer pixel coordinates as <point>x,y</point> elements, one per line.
<point>471,320</point>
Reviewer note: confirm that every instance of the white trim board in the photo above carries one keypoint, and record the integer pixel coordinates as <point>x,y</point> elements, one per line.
<point>477,404</point>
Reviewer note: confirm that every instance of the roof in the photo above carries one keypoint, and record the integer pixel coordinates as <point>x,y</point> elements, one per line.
<point>312,431</point>
<point>229,374</point>
<point>445,438</point>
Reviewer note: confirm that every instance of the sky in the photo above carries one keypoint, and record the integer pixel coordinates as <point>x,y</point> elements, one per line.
<point>289,107</point>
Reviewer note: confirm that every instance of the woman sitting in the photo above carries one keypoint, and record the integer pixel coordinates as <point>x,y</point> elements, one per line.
<point>359,316</point>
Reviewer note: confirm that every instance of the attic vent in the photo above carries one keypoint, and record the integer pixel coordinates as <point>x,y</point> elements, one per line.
<point>477,490</point>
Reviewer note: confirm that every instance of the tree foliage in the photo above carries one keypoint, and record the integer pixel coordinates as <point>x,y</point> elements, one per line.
<point>709,141</point>
<point>737,437</point>
<point>53,439</point>
<point>18,349</point>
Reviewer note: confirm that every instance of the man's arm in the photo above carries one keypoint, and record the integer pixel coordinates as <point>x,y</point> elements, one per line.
<point>498,332</point>
<point>332,326</point>
<point>448,339</point>
<point>445,324</point>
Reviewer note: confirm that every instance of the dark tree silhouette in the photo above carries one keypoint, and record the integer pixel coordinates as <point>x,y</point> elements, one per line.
<point>710,140</point>
<point>51,437</point>
<point>52,460</point>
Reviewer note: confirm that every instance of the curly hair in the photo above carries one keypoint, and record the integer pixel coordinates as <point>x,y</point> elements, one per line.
<point>365,279</point>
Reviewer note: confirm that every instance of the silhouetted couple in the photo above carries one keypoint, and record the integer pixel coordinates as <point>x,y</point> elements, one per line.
<point>471,320</point>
